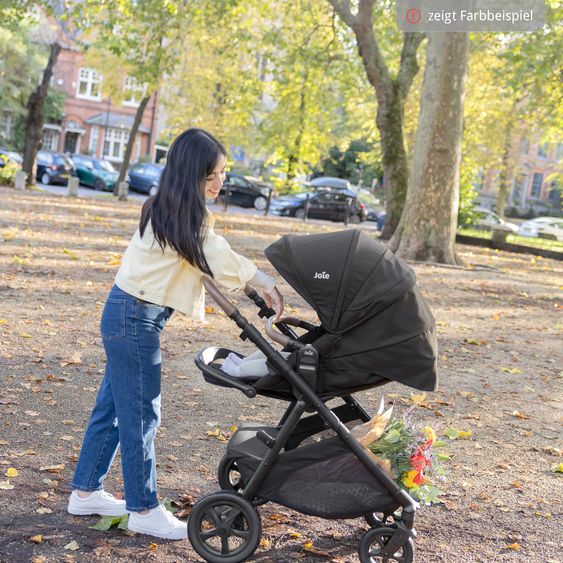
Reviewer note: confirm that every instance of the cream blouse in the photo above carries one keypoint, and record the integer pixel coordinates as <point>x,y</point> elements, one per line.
<point>165,278</point>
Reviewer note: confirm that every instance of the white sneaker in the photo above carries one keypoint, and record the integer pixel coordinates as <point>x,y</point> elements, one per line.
<point>99,502</point>
<point>158,522</point>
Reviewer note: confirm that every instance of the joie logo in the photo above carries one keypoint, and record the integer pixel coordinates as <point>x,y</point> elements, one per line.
<point>321,276</point>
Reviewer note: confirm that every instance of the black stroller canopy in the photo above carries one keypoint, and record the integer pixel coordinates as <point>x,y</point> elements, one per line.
<point>369,305</point>
<point>345,276</point>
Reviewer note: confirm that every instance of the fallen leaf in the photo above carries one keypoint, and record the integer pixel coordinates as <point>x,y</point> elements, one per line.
<point>520,415</point>
<point>43,510</point>
<point>514,546</point>
<point>172,457</point>
<point>210,310</point>
<point>11,472</point>
<point>419,399</point>
<point>36,539</point>
<point>308,545</point>
<point>512,370</point>
<point>53,468</point>
<point>153,546</point>
<point>72,546</point>
<point>454,433</point>
<point>5,486</point>
<point>558,468</point>
<point>265,543</point>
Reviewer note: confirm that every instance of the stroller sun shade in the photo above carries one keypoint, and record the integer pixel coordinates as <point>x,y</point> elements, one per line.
<point>367,298</point>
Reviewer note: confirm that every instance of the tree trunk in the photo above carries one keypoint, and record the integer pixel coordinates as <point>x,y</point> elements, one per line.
<point>507,166</point>
<point>131,141</point>
<point>429,220</point>
<point>391,94</point>
<point>395,166</point>
<point>294,158</point>
<point>34,118</point>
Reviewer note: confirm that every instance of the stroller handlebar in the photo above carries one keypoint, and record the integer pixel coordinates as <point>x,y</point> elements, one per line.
<point>283,339</point>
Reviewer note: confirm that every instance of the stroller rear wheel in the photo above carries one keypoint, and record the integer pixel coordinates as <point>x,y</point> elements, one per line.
<point>230,478</point>
<point>224,528</point>
<point>373,544</point>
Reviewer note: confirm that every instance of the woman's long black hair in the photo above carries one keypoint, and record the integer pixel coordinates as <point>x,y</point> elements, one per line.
<point>177,212</point>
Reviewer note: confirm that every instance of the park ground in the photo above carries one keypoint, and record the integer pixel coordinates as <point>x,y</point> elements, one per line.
<point>499,325</point>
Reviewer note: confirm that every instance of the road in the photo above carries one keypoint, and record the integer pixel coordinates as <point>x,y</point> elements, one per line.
<point>89,192</point>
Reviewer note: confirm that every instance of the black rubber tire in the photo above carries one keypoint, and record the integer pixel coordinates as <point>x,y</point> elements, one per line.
<point>373,542</point>
<point>354,220</point>
<point>299,214</point>
<point>229,476</point>
<point>99,185</point>
<point>45,179</point>
<point>231,480</point>
<point>224,528</point>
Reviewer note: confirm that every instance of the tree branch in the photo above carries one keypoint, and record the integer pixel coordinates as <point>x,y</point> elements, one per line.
<point>409,63</point>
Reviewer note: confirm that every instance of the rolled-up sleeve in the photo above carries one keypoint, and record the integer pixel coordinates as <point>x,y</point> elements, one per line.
<point>229,269</point>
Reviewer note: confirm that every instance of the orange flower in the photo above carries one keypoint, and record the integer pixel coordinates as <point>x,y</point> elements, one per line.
<point>413,479</point>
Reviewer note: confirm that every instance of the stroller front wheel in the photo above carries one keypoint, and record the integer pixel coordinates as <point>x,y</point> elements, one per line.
<point>224,528</point>
<point>373,543</point>
<point>230,478</point>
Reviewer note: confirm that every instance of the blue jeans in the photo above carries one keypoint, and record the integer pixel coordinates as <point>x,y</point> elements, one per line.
<point>127,409</point>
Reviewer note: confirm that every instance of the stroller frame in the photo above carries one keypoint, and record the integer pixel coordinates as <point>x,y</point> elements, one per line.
<point>233,512</point>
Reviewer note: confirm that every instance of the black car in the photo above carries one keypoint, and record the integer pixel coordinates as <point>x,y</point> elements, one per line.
<point>144,177</point>
<point>245,191</point>
<point>54,168</point>
<point>333,205</point>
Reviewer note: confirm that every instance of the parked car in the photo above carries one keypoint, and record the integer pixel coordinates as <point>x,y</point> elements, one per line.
<point>543,227</point>
<point>372,205</point>
<point>245,191</point>
<point>330,204</point>
<point>54,168</point>
<point>331,182</point>
<point>10,155</point>
<point>488,220</point>
<point>95,173</point>
<point>144,177</point>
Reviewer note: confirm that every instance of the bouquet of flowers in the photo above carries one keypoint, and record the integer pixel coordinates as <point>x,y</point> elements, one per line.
<point>406,451</point>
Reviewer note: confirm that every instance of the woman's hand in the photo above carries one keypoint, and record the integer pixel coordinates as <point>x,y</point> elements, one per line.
<point>274,299</point>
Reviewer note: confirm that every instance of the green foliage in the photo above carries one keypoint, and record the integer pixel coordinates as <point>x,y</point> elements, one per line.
<point>355,163</point>
<point>8,171</point>
<point>21,62</point>
<point>54,105</point>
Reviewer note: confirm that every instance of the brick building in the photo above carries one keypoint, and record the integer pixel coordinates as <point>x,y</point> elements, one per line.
<point>92,124</point>
<point>534,183</point>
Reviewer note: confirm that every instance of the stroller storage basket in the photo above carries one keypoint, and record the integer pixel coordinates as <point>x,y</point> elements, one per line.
<point>321,479</point>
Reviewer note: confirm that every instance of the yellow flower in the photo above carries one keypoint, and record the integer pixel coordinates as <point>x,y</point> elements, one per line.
<point>409,477</point>
<point>429,433</point>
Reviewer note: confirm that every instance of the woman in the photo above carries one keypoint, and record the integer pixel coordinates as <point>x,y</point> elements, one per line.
<point>161,271</point>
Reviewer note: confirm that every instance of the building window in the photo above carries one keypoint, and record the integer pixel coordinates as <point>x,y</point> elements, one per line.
<point>115,141</point>
<point>89,82</point>
<point>94,136</point>
<point>542,151</point>
<point>536,185</point>
<point>50,140</point>
<point>133,92</point>
<point>520,183</point>
<point>524,145</point>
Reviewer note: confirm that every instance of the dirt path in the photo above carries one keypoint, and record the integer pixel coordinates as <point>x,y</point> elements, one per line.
<point>499,323</point>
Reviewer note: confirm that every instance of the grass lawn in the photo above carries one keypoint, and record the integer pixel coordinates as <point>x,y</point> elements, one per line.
<point>515,239</point>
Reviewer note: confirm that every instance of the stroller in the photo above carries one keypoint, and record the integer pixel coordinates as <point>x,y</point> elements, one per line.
<point>375,328</point>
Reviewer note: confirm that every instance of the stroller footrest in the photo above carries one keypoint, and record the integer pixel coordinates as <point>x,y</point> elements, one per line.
<point>251,441</point>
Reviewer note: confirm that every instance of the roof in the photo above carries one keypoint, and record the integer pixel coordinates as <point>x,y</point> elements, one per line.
<point>115,121</point>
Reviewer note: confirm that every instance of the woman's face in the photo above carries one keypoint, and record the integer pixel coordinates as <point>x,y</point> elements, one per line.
<point>215,178</point>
